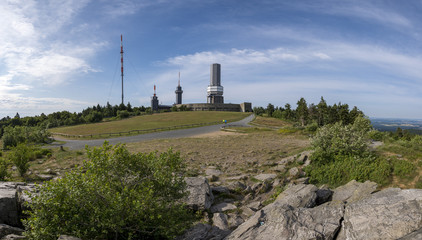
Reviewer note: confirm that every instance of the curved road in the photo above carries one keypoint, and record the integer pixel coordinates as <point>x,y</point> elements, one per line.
<point>181,133</point>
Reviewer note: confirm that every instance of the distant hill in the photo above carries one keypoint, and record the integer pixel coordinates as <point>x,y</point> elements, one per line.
<point>391,124</point>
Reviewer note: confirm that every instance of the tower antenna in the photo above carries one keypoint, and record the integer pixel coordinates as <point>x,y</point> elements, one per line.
<point>179,78</point>
<point>121,55</point>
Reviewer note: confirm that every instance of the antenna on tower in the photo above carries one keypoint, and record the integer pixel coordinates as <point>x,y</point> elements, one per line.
<point>154,89</point>
<point>179,78</point>
<point>121,55</point>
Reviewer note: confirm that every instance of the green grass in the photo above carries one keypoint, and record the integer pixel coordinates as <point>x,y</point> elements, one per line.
<point>146,122</point>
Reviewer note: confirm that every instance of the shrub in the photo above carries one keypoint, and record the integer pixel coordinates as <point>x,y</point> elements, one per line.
<point>376,135</point>
<point>123,114</point>
<point>14,135</point>
<point>341,154</point>
<point>20,156</point>
<point>3,169</point>
<point>115,195</point>
<point>336,140</point>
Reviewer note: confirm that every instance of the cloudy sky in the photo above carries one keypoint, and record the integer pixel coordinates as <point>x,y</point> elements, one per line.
<point>64,54</point>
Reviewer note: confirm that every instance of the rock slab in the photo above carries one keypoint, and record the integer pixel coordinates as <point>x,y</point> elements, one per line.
<point>389,214</point>
<point>200,195</point>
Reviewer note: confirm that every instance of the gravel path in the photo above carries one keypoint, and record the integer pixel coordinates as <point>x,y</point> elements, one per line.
<point>181,133</point>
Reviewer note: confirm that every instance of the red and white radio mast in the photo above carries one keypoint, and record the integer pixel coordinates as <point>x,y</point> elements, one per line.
<point>121,55</point>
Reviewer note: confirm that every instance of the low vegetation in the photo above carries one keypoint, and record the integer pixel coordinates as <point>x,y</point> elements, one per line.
<point>13,136</point>
<point>114,195</point>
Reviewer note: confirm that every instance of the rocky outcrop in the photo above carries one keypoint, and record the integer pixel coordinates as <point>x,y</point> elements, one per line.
<point>282,221</point>
<point>353,191</point>
<point>8,204</point>
<point>204,232</point>
<point>301,195</point>
<point>6,230</point>
<point>200,195</point>
<point>389,214</point>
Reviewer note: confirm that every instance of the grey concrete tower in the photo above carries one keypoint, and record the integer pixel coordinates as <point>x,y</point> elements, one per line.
<point>215,90</point>
<point>179,92</point>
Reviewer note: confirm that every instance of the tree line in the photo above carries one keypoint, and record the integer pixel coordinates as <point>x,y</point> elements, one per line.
<point>65,118</point>
<point>320,114</point>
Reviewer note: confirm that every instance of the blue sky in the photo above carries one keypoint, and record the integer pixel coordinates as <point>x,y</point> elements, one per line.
<point>64,55</point>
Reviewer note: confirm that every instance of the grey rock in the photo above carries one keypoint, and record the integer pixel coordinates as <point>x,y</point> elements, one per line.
<point>255,206</point>
<point>294,172</point>
<point>221,207</point>
<point>219,189</point>
<point>279,168</point>
<point>7,230</point>
<point>282,221</point>
<point>200,195</point>
<point>276,183</point>
<point>204,232</point>
<point>220,220</point>
<point>286,160</point>
<point>266,176</point>
<point>255,187</point>
<point>239,177</point>
<point>9,204</point>
<point>323,195</point>
<point>213,172</point>
<point>45,177</point>
<point>304,180</point>
<point>247,212</point>
<point>235,220</point>
<point>413,236</point>
<point>389,214</point>
<point>301,195</point>
<point>236,186</point>
<point>13,236</point>
<point>354,191</point>
<point>66,237</point>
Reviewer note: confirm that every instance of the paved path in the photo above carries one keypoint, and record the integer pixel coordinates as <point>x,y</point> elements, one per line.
<point>181,133</point>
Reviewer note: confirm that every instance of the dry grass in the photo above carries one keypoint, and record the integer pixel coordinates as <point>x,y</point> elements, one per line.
<point>232,153</point>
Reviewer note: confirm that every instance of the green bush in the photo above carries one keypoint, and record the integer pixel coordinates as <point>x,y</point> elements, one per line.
<point>20,156</point>
<point>341,154</point>
<point>376,135</point>
<point>39,153</point>
<point>336,140</point>
<point>311,128</point>
<point>115,195</point>
<point>123,114</point>
<point>14,135</point>
<point>4,164</point>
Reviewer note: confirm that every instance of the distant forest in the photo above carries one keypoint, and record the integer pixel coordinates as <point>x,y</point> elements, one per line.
<point>315,115</point>
<point>65,118</point>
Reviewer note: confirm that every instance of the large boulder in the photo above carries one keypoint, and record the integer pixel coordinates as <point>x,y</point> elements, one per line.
<point>9,213</point>
<point>389,214</point>
<point>8,230</point>
<point>204,232</point>
<point>353,191</point>
<point>282,221</point>
<point>200,195</point>
<point>301,195</point>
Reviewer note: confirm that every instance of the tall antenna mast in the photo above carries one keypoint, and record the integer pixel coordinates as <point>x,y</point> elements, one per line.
<point>179,79</point>
<point>121,55</point>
